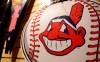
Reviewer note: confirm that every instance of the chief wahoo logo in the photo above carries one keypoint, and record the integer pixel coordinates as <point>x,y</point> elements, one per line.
<point>53,33</point>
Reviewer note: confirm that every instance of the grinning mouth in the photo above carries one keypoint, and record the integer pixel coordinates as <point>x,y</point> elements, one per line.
<point>57,45</point>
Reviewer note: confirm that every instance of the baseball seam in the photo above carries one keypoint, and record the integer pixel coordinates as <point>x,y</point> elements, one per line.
<point>34,35</point>
<point>94,13</point>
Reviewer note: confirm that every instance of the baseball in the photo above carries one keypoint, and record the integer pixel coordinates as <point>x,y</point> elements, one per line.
<point>63,32</point>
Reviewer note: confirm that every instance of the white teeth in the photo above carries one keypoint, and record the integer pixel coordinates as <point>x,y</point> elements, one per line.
<point>57,45</point>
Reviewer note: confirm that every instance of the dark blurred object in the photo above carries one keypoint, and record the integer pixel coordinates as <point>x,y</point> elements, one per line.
<point>3,7</point>
<point>56,1</point>
<point>5,11</point>
<point>15,22</point>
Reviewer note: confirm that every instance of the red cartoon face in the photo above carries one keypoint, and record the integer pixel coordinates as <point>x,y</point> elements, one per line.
<point>58,33</point>
<point>53,35</point>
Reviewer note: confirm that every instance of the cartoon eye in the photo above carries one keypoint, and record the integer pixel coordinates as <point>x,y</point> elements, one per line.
<point>49,28</point>
<point>63,28</point>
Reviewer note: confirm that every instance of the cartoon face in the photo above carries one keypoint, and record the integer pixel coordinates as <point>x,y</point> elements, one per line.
<point>56,32</point>
<point>59,33</point>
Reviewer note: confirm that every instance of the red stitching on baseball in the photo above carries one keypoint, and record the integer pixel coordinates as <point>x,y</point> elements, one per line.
<point>31,53</point>
<point>35,25</point>
<point>33,34</point>
<point>95,32</point>
<point>93,53</point>
<point>95,26</point>
<point>34,50</point>
<point>93,39</point>
<point>32,57</point>
<point>92,7</point>
<point>93,60</point>
<point>36,40</point>
<point>95,20</point>
<point>93,46</point>
<point>37,17</point>
<point>94,13</point>
<point>34,29</point>
<point>35,21</point>
<point>34,45</point>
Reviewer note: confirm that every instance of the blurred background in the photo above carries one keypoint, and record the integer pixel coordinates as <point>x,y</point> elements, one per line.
<point>16,54</point>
